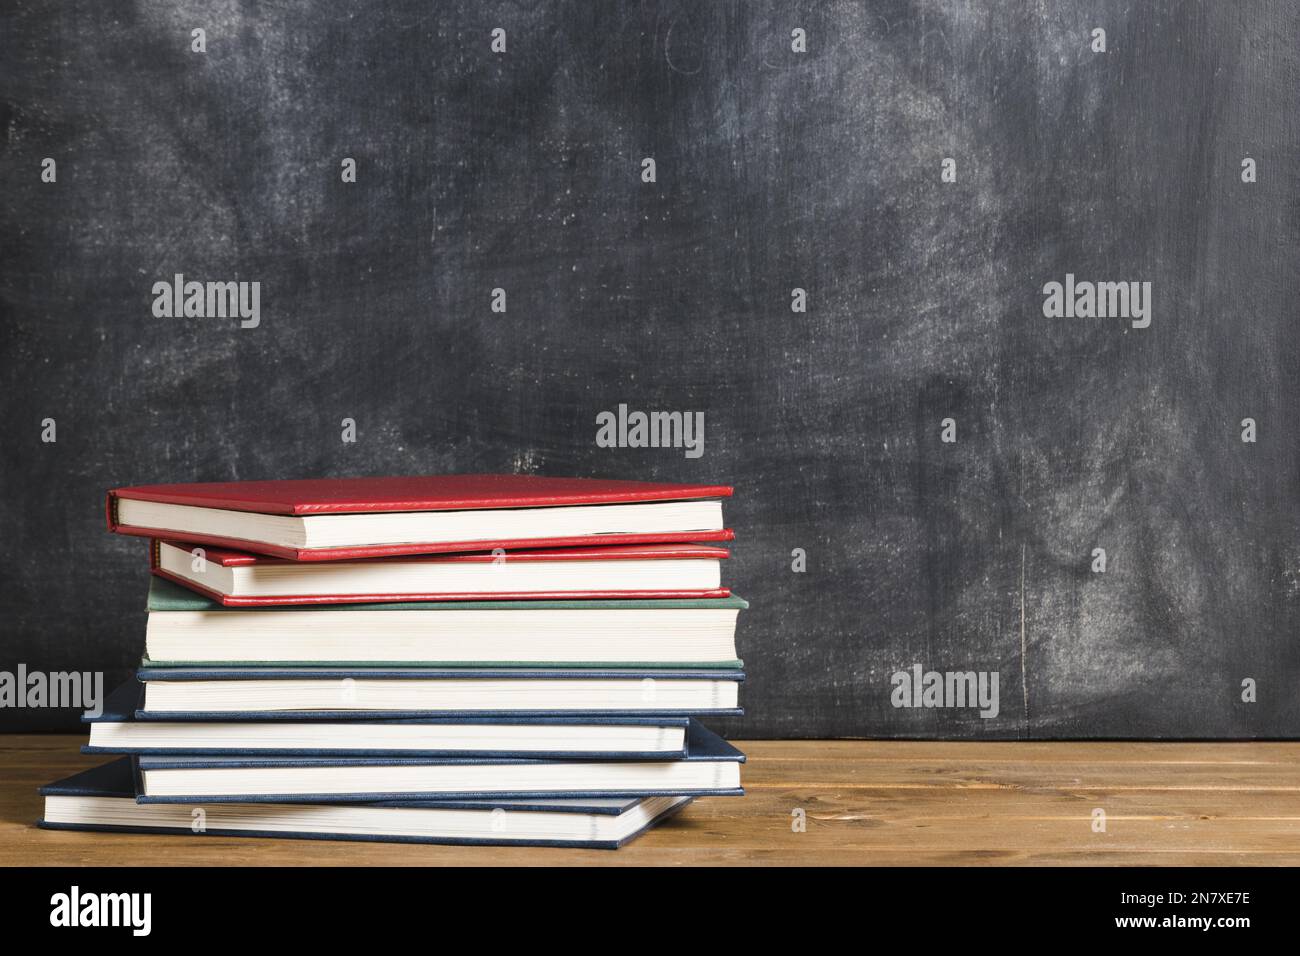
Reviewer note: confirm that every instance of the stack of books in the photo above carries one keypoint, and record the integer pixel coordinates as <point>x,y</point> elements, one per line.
<point>504,659</point>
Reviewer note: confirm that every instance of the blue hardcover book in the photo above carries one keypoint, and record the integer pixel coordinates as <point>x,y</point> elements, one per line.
<point>260,693</point>
<point>103,800</point>
<point>711,767</point>
<point>119,730</point>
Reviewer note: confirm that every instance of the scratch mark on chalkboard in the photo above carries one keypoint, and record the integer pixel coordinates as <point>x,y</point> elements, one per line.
<point>1024,679</point>
<point>668,53</point>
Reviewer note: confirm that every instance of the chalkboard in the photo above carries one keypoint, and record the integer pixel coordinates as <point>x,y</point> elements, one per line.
<point>839,256</point>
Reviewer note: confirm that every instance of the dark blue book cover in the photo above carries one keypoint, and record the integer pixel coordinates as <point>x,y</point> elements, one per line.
<point>703,747</point>
<point>175,675</point>
<point>122,707</point>
<point>116,781</point>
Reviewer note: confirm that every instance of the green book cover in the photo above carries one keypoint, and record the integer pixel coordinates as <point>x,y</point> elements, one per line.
<point>165,595</point>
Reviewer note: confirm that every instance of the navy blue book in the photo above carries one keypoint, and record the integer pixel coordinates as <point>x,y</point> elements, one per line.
<point>103,799</point>
<point>118,729</point>
<point>260,693</point>
<point>711,767</point>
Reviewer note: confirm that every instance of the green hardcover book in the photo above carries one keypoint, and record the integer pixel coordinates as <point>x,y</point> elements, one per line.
<point>187,628</point>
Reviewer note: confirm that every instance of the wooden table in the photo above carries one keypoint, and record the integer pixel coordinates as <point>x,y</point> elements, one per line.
<point>864,802</point>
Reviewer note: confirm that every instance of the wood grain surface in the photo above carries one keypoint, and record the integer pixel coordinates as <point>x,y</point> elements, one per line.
<point>865,803</point>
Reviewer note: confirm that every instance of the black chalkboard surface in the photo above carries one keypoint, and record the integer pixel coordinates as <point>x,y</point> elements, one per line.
<point>838,258</point>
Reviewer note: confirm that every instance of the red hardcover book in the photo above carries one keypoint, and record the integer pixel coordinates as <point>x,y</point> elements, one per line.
<point>240,579</point>
<point>347,518</point>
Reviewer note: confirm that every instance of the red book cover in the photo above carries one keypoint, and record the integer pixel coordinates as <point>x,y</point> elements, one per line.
<point>230,559</point>
<point>325,496</point>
